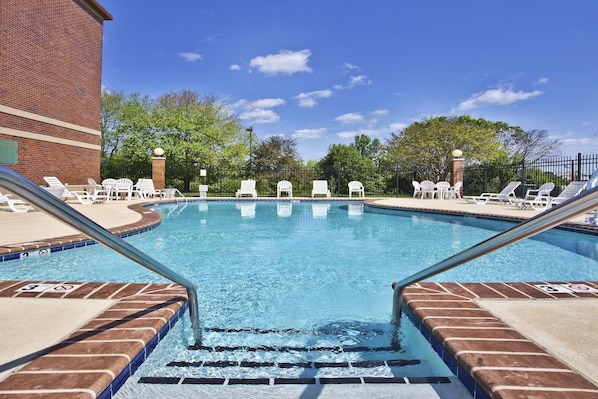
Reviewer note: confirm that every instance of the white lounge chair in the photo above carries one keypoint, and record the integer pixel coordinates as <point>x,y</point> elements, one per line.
<point>98,192</point>
<point>15,205</point>
<point>417,189</point>
<point>284,186</point>
<point>573,188</point>
<point>537,199</point>
<point>247,188</point>
<point>82,196</point>
<point>427,189</point>
<point>506,195</point>
<point>145,188</point>
<point>320,187</point>
<point>356,187</point>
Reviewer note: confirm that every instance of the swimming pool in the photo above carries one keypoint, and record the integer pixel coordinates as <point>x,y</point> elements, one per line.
<point>308,275</point>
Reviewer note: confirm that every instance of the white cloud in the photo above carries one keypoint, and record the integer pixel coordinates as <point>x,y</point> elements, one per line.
<point>350,66</point>
<point>235,67</point>
<point>379,112</point>
<point>350,118</point>
<point>309,134</point>
<point>258,112</point>
<point>309,100</point>
<point>260,116</point>
<point>541,81</point>
<point>354,81</point>
<point>500,96</point>
<point>348,134</point>
<point>398,126</point>
<point>286,62</point>
<point>190,57</point>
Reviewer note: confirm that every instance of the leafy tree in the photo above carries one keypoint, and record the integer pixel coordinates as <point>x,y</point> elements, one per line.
<point>196,132</point>
<point>368,148</point>
<point>531,145</point>
<point>426,146</point>
<point>275,153</point>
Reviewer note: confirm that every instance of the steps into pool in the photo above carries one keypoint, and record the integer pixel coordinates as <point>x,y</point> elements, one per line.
<point>251,356</point>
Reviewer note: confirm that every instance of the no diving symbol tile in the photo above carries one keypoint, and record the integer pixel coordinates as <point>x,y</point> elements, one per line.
<point>565,288</point>
<point>57,288</point>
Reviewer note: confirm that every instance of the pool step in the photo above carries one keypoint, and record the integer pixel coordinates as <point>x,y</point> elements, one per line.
<point>305,365</point>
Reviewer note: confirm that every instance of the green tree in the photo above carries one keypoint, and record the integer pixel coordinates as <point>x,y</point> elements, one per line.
<point>275,153</point>
<point>368,148</point>
<point>196,132</point>
<point>426,146</point>
<point>530,145</point>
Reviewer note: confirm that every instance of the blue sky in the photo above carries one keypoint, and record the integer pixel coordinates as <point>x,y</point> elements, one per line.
<point>323,71</point>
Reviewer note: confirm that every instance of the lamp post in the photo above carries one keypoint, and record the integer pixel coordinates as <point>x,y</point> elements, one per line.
<point>250,130</point>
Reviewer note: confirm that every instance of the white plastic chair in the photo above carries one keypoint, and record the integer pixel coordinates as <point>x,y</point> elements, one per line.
<point>506,195</point>
<point>356,187</point>
<point>14,205</point>
<point>417,189</point>
<point>82,196</point>
<point>320,187</point>
<point>97,191</point>
<point>454,192</point>
<point>247,188</point>
<point>537,198</point>
<point>427,189</point>
<point>125,187</point>
<point>284,186</point>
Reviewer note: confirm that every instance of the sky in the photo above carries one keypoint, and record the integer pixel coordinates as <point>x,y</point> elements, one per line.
<point>324,71</point>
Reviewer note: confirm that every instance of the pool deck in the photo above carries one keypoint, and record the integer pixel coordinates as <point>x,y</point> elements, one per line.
<point>506,340</point>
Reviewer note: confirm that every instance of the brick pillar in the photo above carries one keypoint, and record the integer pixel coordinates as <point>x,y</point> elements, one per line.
<point>159,172</point>
<point>457,165</point>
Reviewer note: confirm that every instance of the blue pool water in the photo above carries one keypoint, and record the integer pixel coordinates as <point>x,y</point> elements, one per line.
<point>320,270</point>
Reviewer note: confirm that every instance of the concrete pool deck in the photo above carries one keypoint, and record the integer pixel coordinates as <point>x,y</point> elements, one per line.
<point>513,340</point>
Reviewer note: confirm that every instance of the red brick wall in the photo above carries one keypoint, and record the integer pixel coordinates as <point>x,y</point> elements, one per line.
<point>51,67</point>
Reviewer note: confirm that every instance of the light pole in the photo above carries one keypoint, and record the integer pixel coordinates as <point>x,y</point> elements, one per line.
<point>250,130</point>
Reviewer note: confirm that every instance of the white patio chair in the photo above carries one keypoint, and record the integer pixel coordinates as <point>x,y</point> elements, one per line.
<point>356,187</point>
<point>417,189</point>
<point>537,199</point>
<point>124,187</point>
<point>82,197</point>
<point>506,195</point>
<point>15,205</point>
<point>247,188</point>
<point>320,187</point>
<point>573,189</point>
<point>454,192</point>
<point>427,189</point>
<point>97,191</point>
<point>284,186</point>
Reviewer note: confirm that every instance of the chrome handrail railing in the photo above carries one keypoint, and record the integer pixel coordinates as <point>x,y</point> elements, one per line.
<point>552,217</point>
<point>51,204</point>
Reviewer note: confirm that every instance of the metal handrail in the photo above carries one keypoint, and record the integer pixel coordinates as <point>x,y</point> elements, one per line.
<point>51,204</point>
<point>552,217</point>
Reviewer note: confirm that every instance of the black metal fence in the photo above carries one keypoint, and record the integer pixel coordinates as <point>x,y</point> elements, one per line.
<point>382,182</point>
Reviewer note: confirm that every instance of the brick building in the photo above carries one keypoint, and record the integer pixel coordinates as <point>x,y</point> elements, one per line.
<point>50,87</point>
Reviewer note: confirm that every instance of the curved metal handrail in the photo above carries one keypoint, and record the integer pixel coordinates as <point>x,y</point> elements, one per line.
<point>51,204</point>
<point>552,217</point>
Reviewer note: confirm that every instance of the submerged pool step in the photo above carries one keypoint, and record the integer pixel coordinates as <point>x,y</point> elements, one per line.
<point>305,365</point>
<point>298,380</point>
<point>284,349</point>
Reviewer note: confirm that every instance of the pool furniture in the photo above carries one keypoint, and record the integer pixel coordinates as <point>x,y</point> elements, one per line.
<point>537,199</point>
<point>506,195</point>
<point>98,192</point>
<point>124,187</point>
<point>417,189</point>
<point>284,186</point>
<point>12,203</point>
<point>454,192</point>
<point>247,188</point>
<point>441,189</point>
<point>356,187</point>
<point>144,188</point>
<point>82,196</point>
<point>573,189</point>
<point>427,189</point>
<point>320,187</point>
